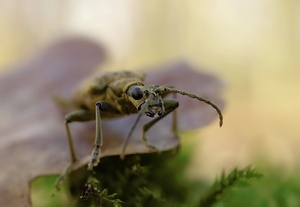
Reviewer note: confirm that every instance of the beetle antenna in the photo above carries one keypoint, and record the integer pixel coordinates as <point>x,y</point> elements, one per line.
<point>141,112</point>
<point>174,90</point>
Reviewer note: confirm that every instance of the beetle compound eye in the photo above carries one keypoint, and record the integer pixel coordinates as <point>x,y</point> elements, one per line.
<point>136,93</point>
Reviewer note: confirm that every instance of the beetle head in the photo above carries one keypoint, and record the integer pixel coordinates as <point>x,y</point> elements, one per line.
<point>146,100</point>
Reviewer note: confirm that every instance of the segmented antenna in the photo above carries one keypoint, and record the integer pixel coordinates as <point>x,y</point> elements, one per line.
<point>174,90</point>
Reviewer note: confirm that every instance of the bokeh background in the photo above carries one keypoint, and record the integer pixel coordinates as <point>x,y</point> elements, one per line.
<point>253,46</point>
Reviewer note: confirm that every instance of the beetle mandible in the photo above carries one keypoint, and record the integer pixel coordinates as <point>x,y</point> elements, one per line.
<point>116,94</point>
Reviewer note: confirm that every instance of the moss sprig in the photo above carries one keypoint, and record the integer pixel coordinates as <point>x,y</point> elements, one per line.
<point>237,176</point>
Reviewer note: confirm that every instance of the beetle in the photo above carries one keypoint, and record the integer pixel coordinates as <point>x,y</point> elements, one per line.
<point>116,94</point>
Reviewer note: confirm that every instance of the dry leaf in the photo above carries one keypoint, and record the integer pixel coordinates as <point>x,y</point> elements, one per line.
<point>33,140</point>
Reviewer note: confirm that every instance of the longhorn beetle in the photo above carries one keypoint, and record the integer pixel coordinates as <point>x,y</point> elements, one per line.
<point>117,94</point>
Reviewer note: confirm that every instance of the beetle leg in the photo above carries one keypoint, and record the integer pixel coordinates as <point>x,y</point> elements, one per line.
<point>170,106</point>
<point>76,116</point>
<point>174,120</point>
<point>100,106</point>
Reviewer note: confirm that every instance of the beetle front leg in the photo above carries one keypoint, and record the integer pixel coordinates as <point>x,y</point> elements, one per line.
<point>76,116</point>
<point>170,105</point>
<point>100,106</point>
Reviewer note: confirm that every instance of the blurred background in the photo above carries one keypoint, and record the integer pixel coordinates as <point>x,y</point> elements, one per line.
<point>253,46</point>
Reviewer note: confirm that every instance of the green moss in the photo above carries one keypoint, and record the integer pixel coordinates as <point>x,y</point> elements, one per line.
<point>139,180</point>
<point>236,178</point>
<point>274,189</point>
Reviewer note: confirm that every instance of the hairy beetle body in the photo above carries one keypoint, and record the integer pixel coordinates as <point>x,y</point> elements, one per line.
<point>116,94</point>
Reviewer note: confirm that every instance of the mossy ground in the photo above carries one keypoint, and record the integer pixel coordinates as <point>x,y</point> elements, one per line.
<point>139,180</point>
<point>160,180</point>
